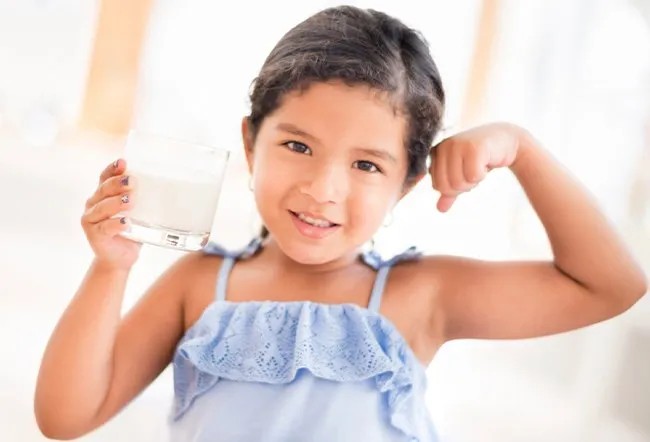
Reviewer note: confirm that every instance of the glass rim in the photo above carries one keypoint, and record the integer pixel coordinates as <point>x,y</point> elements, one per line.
<point>205,147</point>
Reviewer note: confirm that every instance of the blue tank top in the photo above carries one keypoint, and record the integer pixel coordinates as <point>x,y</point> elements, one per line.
<point>297,370</point>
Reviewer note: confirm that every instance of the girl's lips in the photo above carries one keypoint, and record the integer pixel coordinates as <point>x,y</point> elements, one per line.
<point>311,215</point>
<point>311,231</point>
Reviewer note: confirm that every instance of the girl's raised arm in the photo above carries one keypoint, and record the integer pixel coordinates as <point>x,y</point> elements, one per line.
<point>592,276</point>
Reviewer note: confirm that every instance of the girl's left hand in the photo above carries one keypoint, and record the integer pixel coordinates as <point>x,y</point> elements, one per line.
<point>460,162</point>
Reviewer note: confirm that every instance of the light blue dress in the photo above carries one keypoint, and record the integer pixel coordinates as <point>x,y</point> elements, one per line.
<point>297,371</point>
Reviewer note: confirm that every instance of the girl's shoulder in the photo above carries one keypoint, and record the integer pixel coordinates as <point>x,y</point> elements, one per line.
<point>202,271</point>
<point>196,272</point>
<point>413,300</point>
<point>413,268</point>
<point>435,271</point>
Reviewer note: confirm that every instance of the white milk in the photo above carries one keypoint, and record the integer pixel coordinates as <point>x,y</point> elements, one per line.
<point>163,198</point>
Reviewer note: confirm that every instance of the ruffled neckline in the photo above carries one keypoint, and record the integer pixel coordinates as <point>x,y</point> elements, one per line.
<point>343,305</point>
<point>270,341</point>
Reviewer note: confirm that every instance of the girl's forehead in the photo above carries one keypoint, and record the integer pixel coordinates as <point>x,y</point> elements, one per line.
<point>335,110</point>
<point>338,94</point>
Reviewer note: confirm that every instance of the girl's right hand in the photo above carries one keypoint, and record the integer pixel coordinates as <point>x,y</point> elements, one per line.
<point>102,226</point>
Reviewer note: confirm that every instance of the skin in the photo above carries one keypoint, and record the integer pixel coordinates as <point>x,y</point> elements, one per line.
<point>96,361</point>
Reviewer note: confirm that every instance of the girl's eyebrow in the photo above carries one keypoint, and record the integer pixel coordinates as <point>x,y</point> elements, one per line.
<point>288,127</point>
<point>378,153</point>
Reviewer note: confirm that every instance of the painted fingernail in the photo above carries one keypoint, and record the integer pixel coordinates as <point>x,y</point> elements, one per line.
<point>123,220</point>
<point>125,181</point>
<point>125,199</point>
<point>116,163</point>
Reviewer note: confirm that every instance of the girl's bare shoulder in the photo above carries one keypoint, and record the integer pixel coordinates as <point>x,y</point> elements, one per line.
<point>413,302</point>
<point>199,278</point>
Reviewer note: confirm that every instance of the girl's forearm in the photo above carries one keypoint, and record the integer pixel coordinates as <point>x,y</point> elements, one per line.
<point>585,245</point>
<point>76,368</point>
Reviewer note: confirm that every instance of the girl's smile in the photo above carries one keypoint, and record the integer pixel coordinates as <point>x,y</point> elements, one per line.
<point>313,226</point>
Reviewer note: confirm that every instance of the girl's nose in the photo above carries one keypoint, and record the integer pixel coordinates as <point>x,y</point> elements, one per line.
<point>326,184</point>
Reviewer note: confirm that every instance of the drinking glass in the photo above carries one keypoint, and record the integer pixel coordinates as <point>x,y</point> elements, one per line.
<point>176,190</point>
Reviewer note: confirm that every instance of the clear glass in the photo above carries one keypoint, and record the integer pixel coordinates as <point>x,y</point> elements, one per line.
<point>177,187</point>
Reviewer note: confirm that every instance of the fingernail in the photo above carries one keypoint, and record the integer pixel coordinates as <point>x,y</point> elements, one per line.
<point>116,163</point>
<point>125,199</point>
<point>125,181</point>
<point>123,220</point>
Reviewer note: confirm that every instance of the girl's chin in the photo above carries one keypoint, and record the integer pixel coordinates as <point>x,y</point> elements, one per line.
<point>307,252</point>
<point>309,255</point>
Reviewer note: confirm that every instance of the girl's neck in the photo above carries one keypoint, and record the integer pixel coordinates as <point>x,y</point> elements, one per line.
<point>273,255</point>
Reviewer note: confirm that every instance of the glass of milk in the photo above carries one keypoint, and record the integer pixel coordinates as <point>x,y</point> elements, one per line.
<point>176,190</point>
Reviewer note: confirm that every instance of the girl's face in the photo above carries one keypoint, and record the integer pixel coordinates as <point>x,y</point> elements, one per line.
<point>328,165</point>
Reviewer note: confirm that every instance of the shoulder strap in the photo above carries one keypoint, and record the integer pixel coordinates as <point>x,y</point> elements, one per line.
<point>374,260</point>
<point>229,259</point>
<point>222,279</point>
<point>378,288</point>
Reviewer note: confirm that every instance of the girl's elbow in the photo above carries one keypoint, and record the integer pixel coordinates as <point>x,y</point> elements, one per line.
<point>54,431</point>
<point>632,291</point>
<point>53,426</point>
<point>48,426</point>
<point>640,285</point>
<point>642,288</point>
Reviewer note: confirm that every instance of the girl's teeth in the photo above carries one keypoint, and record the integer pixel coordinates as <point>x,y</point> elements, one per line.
<point>314,221</point>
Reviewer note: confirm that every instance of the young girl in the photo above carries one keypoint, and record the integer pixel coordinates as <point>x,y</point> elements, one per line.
<point>301,336</point>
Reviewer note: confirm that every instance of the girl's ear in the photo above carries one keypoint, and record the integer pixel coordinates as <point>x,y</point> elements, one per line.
<point>247,142</point>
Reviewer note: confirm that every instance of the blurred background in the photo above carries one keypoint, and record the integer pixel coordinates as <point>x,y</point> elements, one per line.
<point>76,75</point>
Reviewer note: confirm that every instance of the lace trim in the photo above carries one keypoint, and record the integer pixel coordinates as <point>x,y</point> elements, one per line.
<point>266,341</point>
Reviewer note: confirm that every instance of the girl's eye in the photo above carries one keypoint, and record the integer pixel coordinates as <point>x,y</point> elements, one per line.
<point>297,147</point>
<point>367,166</point>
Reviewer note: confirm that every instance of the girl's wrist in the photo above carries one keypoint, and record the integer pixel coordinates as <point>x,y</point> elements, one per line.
<point>526,148</point>
<point>108,268</point>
